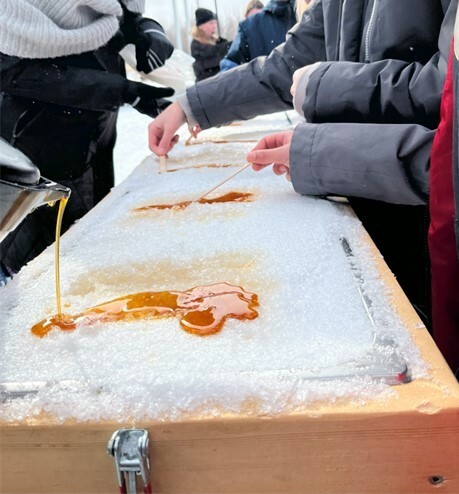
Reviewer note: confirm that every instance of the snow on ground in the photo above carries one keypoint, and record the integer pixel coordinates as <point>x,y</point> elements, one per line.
<point>132,142</point>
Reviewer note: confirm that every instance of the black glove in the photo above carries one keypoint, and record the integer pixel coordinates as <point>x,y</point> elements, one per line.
<point>152,48</point>
<point>146,99</point>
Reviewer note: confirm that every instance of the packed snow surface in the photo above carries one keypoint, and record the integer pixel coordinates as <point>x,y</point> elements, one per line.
<point>312,323</point>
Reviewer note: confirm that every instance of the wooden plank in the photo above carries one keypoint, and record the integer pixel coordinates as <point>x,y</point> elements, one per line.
<point>343,453</point>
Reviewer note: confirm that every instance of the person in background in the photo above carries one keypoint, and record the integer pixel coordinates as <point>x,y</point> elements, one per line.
<point>207,48</point>
<point>253,7</point>
<point>444,217</point>
<point>62,81</point>
<point>259,34</point>
<point>371,105</point>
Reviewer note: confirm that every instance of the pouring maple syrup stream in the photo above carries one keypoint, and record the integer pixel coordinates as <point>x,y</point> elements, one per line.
<point>57,275</point>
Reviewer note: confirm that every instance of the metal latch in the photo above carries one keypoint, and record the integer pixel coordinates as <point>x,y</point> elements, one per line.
<point>129,447</point>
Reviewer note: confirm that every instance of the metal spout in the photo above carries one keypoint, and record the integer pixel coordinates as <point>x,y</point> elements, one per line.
<point>17,201</point>
<point>22,189</point>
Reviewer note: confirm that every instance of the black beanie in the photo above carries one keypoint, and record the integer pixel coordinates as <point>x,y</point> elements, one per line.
<point>203,16</point>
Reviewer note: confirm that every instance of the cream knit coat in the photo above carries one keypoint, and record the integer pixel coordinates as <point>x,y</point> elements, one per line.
<point>55,28</point>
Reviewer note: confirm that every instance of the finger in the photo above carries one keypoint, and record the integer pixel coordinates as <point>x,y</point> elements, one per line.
<point>279,169</point>
<point>257,168</point>
<point>153,136</point>
<point>164,145</point>
<point>163,92</point>
<point>288,177</point>
<point>194,131</point>
<point>267,156</point>
<point>261,144</point>
<point>158,138</point>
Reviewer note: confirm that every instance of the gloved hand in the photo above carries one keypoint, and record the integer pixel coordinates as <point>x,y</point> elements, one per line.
<point>147,99</point>
<point>152,48</point>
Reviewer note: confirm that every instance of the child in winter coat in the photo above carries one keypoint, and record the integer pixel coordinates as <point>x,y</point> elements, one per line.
<point>62,82</point>
<point>372,107</point>
<point>253,7</point>
<point>207,47</point>
<point>261,33</point>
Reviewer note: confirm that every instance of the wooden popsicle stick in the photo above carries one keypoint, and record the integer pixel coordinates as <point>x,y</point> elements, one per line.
<point>162,164</point>
<point>223,181</point>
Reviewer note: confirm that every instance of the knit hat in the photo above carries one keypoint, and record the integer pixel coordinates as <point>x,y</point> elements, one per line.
<point>203,16</point>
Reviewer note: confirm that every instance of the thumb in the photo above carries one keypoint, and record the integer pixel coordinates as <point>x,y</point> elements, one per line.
<point>162,92</point>
<point>164,145</point>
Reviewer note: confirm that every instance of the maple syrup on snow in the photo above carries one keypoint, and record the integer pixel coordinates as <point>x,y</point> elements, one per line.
<point>229,197</point>
<point>202,310</point>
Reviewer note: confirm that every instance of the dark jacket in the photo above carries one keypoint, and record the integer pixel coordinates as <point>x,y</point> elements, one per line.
<point>61,113</point>
<point>401,87</point>
<point>207,57</point>
<point>372,123</point>
<point>259,34</point>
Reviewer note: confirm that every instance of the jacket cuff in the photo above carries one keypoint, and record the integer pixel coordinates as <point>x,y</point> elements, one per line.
<point>195,108</point>
<point>300,93</point>
<point>309,106</point>
<point>302,88</point>
<point>301,158</point>
<point>182,100</point>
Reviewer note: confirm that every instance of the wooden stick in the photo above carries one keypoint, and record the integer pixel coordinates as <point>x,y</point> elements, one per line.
<point>162,164</point>
<point>223,181</point>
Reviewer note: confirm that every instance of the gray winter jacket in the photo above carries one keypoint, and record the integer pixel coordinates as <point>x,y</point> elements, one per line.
<point>372,123</point>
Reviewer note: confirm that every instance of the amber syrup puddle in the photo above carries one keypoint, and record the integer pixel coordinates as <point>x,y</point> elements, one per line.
<point>229,197</point>
<point>202,310</point>
<point>203,165</point>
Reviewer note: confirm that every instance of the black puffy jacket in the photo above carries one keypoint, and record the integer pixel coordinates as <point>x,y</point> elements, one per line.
<point>61,113</point>
<point>207,57</point>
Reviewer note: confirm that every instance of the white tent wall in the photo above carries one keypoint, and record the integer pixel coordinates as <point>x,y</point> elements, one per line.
<point>177,17</point>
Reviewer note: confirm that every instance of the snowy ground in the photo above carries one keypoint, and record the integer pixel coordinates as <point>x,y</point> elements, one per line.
<point>132,143</point>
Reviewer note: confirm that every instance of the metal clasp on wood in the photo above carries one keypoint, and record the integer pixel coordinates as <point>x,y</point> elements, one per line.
<point>129,447</point>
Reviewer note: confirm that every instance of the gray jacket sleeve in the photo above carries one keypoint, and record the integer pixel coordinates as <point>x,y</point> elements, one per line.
<point>375,161</point>
<point>262,85</point>
<point>387,91</point>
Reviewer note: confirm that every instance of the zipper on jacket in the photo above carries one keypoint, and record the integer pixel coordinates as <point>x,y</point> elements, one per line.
<point>338,35</point>
<point>368,34</point>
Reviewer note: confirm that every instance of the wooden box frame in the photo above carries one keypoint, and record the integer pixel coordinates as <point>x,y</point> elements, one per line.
<point>407,443</point>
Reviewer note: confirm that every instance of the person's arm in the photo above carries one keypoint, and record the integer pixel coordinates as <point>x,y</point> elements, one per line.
<point>389,91</point>
<point>386,91</point>
<point>227,64</point>
<point>152,47</point>
<point>238,52</point>
<point>384,162</point>
<point>51,82</point>
<point>263,84</point>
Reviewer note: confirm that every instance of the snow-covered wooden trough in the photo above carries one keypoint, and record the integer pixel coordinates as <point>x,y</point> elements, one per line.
<point>332,385</point>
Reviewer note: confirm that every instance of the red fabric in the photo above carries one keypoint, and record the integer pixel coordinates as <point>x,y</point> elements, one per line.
<point>442,244</point>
